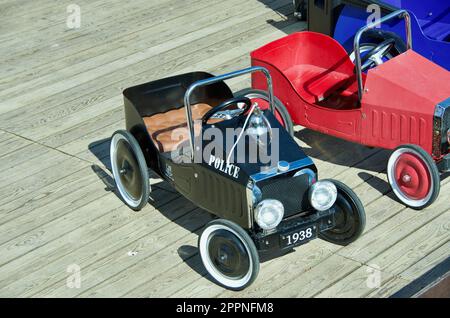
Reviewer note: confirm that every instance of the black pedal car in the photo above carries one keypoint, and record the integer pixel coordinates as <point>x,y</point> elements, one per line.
<point>263,205</point>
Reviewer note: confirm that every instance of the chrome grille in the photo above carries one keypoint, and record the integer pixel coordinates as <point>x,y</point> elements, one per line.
<point>446,125</point>
<point>440,128</point>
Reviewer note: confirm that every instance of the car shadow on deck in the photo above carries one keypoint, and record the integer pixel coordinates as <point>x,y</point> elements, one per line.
<point>341,152</point>
<point>100,149</point>
<point>286,14</point>
<point>189,254</point>
<point>321,147</point>
<point>337,151</point>
<point>191,257</point>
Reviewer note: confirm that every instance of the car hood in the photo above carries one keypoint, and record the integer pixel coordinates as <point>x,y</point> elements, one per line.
<point>409,83</point>
<point>282,148</point>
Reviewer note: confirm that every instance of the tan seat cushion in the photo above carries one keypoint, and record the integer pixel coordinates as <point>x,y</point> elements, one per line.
<point>168,130</point>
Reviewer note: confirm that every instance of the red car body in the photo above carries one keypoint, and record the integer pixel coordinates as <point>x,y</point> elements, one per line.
<point>314,78</point>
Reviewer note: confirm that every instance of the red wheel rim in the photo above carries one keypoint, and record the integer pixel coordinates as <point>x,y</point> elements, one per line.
<point>412,176</point>
<point>264,104</point>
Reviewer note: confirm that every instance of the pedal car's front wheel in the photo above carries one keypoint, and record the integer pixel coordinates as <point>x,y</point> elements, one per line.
<point>229,254</point>
<point>281,113</point>
<point>129,169</point>
<point>350,217</point>
<point>413,176</point>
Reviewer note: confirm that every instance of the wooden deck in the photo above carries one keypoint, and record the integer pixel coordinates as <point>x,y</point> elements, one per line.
<point>60,93</point>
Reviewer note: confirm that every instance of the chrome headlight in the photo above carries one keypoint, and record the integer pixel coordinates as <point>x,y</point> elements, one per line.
<point>448,136</point>
<point>269,213</point>
<point>322,195</point>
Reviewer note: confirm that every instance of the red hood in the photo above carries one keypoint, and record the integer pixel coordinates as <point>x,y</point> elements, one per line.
<point>408,82</point>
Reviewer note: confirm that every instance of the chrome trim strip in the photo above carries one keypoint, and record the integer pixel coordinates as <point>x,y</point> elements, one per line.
<point>250,207</point>
<point>216,79</point>
<point>263,175</point>
<point>441,108</point>
<point>311,175</point>
<point>438,122</point>
<point>397,14</point>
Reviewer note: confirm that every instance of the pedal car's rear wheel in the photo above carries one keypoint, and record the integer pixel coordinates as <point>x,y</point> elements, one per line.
<point>129,169</point>
<point>413,176</point>
<point>350,217</point>
<point>229,254</point>
<point>281,113</point>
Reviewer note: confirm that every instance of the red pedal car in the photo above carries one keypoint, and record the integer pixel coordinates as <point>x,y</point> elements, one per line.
<point>402,104</point>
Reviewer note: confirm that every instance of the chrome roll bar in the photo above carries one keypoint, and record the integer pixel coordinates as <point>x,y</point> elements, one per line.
<point>212,80</point>
<point>397,14</point>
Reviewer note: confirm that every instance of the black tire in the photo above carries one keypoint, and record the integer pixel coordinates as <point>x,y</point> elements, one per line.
<point>350,217</point>
<point>279,107</point>
<point>129,169</point>
<point>433,176</point>
<point>232,238</point>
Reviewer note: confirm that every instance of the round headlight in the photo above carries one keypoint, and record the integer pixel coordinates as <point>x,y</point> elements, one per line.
<point>322,195</point>
<point>269,213</point>
<point>448,136</point>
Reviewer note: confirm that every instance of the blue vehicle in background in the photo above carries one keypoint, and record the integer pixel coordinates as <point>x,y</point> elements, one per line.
<point>342,18</point>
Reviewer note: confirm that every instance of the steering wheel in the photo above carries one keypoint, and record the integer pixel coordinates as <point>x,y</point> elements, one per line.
<point>222,112</point>
<point>375,56</point>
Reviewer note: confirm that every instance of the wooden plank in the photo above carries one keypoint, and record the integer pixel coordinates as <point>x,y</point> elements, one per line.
<point>318,278</point>
<point>389,288</point>
<point>94,32</point>
<point>74,48</point>
<point>50,26</point>
<point>36,182</point>
<point>38,235</point>
<point>427,263</point>
<point>173,279</point>
<point>10,143</point>
<point>146,238</point>
<point>4,136</point>
<point>25,199</point>
<point>115,227</point>
<point>199,19</point>
<point>415,246</point>
<point>49,16</point>
<point>63,110</point>
<point>77,138</point>
<point>359,283</point>
<point>435,283</point>
<point>21,155</point>
<point>12,11</point>
<point>17,223</point>
<point>28,161</point>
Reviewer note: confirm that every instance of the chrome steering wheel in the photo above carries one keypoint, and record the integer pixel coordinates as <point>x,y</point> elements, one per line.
<point>375,56</point>
<point>222,111</point>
